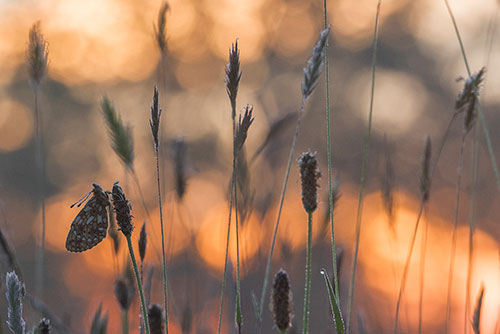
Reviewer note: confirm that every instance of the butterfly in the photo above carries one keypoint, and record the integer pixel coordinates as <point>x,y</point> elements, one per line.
<point>91,224</point>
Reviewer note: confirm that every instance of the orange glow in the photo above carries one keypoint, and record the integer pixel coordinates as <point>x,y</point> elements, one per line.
<point>13,138</point>
<point>211,238</point>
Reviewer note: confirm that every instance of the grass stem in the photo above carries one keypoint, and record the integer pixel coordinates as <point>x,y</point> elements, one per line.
<point>307,287</point>
<point>329,153</point>
<point>139,284</point>
<point>164,264</point>
<point>124,318</point>
<point>366,151</point>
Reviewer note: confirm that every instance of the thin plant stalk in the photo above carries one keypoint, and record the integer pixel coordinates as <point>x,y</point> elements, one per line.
<point>124,318</point>
<point>479,106</point>
<point>41,189</point>
<point>420,210</point>
<point>223,288</point>
<point>280,207</point>
<point>366,150</point>
<point>422,275</point>
<point>164,263</point>
<point>472,223</point>
<point>329,153</point>
<point>307,287</point>
<point>454,234</point>
<point>239,317</point>
<point>139,284</point>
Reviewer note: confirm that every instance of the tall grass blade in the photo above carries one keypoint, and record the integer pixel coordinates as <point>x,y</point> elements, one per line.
<point>334,304</point>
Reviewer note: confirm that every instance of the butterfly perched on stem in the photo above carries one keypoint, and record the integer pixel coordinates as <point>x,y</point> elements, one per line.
<point>91,224</point>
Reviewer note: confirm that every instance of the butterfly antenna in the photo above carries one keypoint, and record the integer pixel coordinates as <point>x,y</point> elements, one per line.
<point>81,200</point>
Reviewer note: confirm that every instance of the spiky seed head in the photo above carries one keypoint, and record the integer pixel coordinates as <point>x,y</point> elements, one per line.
<point>242,127</point>
<point>281,301</point>
<point>37,54</point>
<point>121,135</point>
<point>154,122</point>
<point>43,327</point>
<point>425,176</point>
<point>15,294</point>
<point>122,210</point>
<point>233,76</point>
<point>161,28</point>
<point>467,98</point>
<point>309,175</point>
<point>476,318</point>
<point>143,239</point>
<point>155,316</point>
<point>179,150</point>
<point>314,65</point>
<point>122,294</point>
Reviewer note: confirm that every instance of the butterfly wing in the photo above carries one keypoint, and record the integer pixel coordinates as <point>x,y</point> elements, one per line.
<point>89,227</point>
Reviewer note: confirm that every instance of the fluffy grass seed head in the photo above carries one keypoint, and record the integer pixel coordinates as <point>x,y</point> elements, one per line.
<point>309,175</point>
<point>37,54</point>
<point>242,127</point>
<point>155,316</point>
<point>143,240</point>
<point>179,152</point>
<point>467,98</point>
<point>314,65</point>
<point>122,210</point>
<point>281,301</point>
<point>425,176</point>
<point>121,135</point>
<point>15,294</point>
<point>160,29</point>
<point>233,76</point>
<point>43,327</point>
<point>154,122</point>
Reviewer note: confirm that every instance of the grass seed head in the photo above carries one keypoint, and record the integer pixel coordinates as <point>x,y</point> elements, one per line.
<point>15,294</point>
<point>143,239</point>
<point>122,210</point>
<point>314,65</point>
<point>233,76</point>
<point>155,316</point>
<point>154,122</point>
<point>179,150</point>
<point>425,176</point>
<point>122,294</point>
<point>121,135</point>
<point>161,28</point>
<point>99,322</point>
<point>37,54</point>
<point>43,327</point>
<point>467,98</point>
<point>309,176</point>
<point>242,129</point>
<point>281,301</point>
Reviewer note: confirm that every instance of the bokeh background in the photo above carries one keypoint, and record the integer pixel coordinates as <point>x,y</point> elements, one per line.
<point>100,47</point>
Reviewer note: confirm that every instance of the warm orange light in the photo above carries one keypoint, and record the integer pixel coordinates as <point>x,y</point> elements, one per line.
<point>16,125</point>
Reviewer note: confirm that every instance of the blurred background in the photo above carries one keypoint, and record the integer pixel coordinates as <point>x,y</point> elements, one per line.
<point>107,47</point>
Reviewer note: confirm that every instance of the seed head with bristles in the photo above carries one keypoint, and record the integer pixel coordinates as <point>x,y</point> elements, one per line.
<point>122,294</point>
<point>233,75</point>
<point>161,28</point>
<point>37,54</point>
<point>242,129</point>
<point>15,294</point>
<point>467,98</point>
<point>476,318</point>
<point>179,152</point>
<point>155,315</point>
<point>122,210</point>
<point>425,176</point>
<point>154,122</point>
<point>309,175</point>
<point>314,65</point>
<point>121,135</point>
<point>281,301</point>
<point>143,239</point>
<point>43,327</point>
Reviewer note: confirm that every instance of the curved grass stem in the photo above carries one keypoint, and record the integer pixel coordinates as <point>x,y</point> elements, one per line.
<point>307,287</point>
<point>366,151</point>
